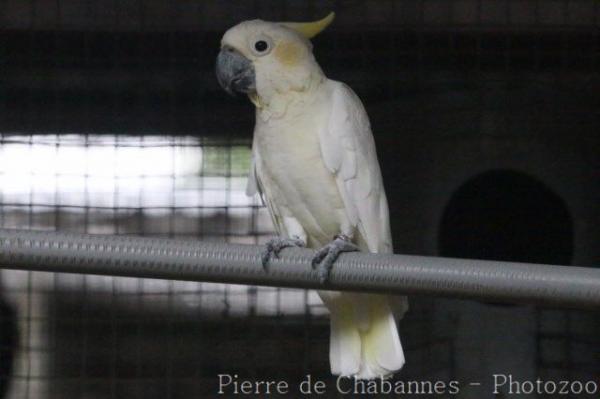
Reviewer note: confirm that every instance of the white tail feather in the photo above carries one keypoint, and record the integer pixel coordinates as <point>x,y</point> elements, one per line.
<point>364,339</point>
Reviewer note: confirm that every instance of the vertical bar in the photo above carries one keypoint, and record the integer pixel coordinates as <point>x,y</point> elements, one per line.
<point>114,342</point>
<point>508,40</point>
<point>30,112</point>
<point>536,39</point>
<point>538,342</point>
<point>172,138</point>
<point>199,376</point>
<point>139,384</point>
<point>568,346</point>
<point>57,199</point>
<point>116,104</point>
<point>4,106</point>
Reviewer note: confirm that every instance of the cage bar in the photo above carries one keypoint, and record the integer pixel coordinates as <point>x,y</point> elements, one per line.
<point>173,259</point>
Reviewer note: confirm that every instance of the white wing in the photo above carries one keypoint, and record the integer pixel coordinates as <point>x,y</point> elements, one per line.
<point>254,186</point>
<point>349,153</point>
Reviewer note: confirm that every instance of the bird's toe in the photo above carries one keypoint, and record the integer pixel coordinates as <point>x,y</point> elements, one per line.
<point>274,246</point>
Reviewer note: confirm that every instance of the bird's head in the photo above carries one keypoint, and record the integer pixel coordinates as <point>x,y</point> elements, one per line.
<point>260,58</point>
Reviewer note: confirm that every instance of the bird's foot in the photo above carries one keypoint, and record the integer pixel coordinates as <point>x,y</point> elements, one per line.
<point>275,245</point>
<point>325,257</point>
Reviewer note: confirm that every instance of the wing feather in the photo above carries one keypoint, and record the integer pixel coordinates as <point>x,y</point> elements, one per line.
<point>348,150</point>
<point>254,186</point>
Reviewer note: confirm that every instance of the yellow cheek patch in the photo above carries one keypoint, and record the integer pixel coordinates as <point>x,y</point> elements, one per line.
<point>288,53</point>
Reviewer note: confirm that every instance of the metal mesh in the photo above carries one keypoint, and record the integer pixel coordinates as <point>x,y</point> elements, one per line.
<point>112,123</point>
<point>72,327</point>
<point>119,337</point>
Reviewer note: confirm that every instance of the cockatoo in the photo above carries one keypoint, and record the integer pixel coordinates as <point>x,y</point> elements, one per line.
<point>315,166</point>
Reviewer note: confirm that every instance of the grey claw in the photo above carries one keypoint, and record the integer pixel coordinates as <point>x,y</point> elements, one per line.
<point>321,253</point>
<point>324,272</point>
<point>275,245</point>
<point>265,256</point>
<point>325,257</point>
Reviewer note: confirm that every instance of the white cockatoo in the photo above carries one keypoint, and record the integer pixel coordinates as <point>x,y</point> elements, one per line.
<point>315,166</point>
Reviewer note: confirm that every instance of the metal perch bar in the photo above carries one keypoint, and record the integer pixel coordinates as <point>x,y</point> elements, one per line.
<point>565,286</point>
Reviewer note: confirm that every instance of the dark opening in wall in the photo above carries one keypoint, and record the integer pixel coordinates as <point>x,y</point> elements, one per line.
<point>509,216</point>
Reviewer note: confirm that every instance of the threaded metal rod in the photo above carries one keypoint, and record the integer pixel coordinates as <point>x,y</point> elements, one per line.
<point>565,286</point>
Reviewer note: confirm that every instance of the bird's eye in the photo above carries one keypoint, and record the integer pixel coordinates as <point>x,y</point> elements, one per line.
<point>261,46</point>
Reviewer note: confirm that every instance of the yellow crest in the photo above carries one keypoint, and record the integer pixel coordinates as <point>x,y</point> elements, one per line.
<point>310,29</point>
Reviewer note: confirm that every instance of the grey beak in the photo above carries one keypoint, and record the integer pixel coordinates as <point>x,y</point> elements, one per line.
<point>235,72</point>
